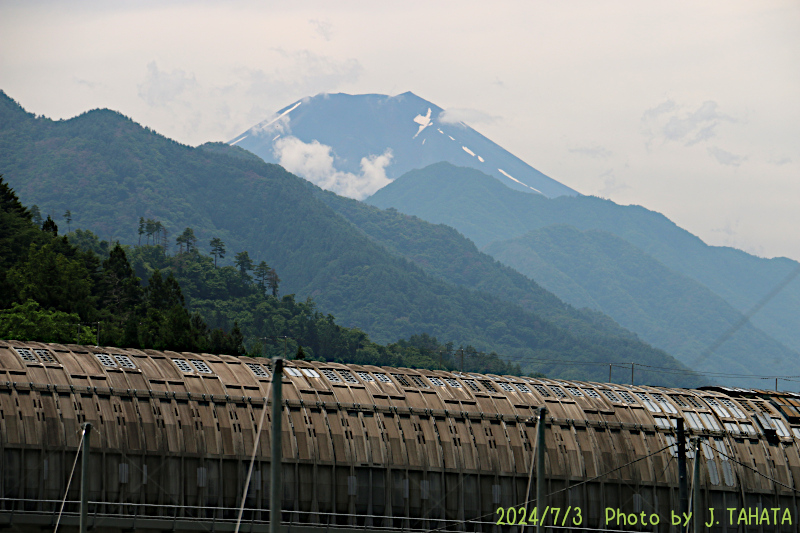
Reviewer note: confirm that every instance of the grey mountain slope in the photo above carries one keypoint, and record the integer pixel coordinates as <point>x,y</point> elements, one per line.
<point>667,309</point>
<point>357,126</point>
<point>486,211</point>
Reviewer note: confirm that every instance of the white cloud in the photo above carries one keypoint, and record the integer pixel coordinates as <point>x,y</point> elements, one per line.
<point>780,161</point>
<point>726,158</point>
<point>301,73</point>
<point>671,122</point>
<point>611,183</point>
<point>466,115</point>
<point>315,162</point>
<point>324,28</point>
<point>161,87</point>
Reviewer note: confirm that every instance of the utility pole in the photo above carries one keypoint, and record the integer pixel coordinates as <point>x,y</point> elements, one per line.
<point>632,374</point>
<point>696,511</point>
<point>276,490</point>
<point>540,485</point>
<point>462,360</point>
<point>609,373</point>
<point>83,524</point>
<point>683,488</point>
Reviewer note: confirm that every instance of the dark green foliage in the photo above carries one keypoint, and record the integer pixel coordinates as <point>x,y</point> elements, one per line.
<point>244,263</point>
<point>217,249</point>
<point>53,291</point>
<point>29,321</point>
<point>188,239</point>
<point>50,226</point>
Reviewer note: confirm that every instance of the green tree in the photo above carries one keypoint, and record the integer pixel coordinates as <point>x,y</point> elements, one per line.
<point>36,215</point>
<point>261,274</point>
<point>68,218</point>
<point>188,239</point>
<point>29,322</point>
<point>217,249</point>
<point>122,292</point>
<point>141,229</point>
<point>149,228</point>
<point>53,279</point>
<point>273,281</point>
<point>245,264</point>
<point>50,226</point>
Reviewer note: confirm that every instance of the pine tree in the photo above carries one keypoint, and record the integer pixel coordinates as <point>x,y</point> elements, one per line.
<point>262,273</point>
<point>217,249</point>
<point>149,228</point>
<point>141,229</point>
<point>50,226</point>
<point>273,281</point>
<point>245,264</point>
<point>36,215</point>
<point>68,218</point>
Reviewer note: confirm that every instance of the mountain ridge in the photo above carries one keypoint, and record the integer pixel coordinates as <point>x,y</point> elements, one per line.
<point>485,211</point>
<point>110,171</point>
<point>413,130</point>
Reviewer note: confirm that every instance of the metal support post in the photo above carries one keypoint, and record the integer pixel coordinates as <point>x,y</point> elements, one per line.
<point>276,490</point>
<point>696,511</point>
<point>83,524</point>
<point>683,487</point>
<point>540,481</point>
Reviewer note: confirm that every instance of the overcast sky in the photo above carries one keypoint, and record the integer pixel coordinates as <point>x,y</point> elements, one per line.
<point>691,109</point>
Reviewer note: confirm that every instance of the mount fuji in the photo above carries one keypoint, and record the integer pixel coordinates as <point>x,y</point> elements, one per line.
<point>356,144</point>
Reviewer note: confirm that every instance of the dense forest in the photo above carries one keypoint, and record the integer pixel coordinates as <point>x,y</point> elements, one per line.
<point>80,289</point>
<point>110,173</point>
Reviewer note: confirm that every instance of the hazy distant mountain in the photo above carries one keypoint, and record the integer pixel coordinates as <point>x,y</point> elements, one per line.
<point>375,138</point>
<point>486,211</point>
<point>109,171</point>
<point>667,309</point>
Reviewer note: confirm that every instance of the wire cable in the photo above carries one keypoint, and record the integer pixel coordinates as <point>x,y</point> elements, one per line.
<point>253,458</point>
<point>757,472</point>
<point>69,481</point>
<point>570,488</point>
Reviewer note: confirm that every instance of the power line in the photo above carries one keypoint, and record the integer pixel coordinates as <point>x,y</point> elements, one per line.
<point>626,366</point>
<point>757,472</point>
<point>569,488</point>
<point>746,317</point>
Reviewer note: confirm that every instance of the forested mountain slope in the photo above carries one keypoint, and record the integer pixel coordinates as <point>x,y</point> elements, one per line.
<point>109,172</point>
<point>485,211</point>
<point>670,310</point>
<point>443,252</point>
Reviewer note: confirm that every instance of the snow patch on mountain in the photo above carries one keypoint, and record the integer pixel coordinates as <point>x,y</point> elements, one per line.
<point>470,152</point>
<point>509,176</point>
<point>315,162</point>
<point>423,122</point>
<point>279,120</point>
